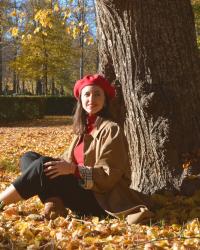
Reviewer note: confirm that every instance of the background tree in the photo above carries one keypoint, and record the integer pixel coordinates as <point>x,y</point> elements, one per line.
<point>5,5</point>
<point>150,48</point>
<point>196,8</point>
<point>49,26</point>
<point>83,14</point>
<point>46,51</point>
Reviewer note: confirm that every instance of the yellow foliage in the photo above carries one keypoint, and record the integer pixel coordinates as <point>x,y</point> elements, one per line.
<point>44,33</point>
<point>90,40</point>
<point>14,31</point>
<point>85,28</point>
<point>67,13</point>
<point>80,24</point>
<point>22,14</point>
<point>56,8</point>
<point>36,30</point>
<point>68,30</point>
<point>75,32</point>
<point>50,25</point>
<point>43,17</point>
<point>25,225</point>
<point>13,13</point>
<point>29,36</point>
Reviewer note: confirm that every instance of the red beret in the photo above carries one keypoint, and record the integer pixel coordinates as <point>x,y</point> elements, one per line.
<point>94,80</point>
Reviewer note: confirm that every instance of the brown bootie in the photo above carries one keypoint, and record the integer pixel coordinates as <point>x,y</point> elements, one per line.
<point>54,207</point>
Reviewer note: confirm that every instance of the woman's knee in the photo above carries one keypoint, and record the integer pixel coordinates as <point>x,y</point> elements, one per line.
<point>30,154</point>
<point>45,159</point>
<point>27,159</point>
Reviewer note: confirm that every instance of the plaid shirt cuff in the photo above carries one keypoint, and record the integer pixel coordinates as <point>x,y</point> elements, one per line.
<point>86,180</point>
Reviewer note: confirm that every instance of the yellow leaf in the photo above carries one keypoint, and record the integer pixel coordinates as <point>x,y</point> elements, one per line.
<point>89,40</point>
<point>50,25</point>
<point>44,33</point>
<point>36,30</point>
<point>14,13</point>
<point>14,31</point>
<point>90,240</point>
<point>22,14</point>
<point>80,24</point>
<point>29,36</point>
<point>37,15</point>
<point>108,247</point>
<point>85,28</point>
<point>95,220</point>
<point>56,7</point>
<point>68,30</point>
<point>75,32</point>
<point>67,14</point>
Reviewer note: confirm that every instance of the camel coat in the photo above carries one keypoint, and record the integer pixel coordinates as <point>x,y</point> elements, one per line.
<point>106,158</point>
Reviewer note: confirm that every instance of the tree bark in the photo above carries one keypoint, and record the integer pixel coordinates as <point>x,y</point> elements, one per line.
<point>150,47</point>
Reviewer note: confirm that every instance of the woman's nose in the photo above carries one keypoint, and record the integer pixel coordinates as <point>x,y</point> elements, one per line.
<point>91,97</point>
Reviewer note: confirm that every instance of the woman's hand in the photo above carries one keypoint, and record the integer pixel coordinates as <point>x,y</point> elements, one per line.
<point>53,169</point>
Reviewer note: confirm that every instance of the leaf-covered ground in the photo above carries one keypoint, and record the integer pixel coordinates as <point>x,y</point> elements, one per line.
<point>22,225</point>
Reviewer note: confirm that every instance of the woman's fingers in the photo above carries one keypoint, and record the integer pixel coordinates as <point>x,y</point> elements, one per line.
<point>50,163</point>
<point>53,169</point>
<point>54,175</point>
<point>50,170</point>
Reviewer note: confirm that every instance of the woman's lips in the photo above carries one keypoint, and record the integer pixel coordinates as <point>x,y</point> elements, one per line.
<point>91,105</point>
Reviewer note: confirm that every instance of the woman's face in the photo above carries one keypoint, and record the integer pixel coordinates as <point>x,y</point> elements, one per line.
<point>92,99</point>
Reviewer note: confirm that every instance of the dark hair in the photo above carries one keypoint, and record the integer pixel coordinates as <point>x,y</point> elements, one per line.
<point>80,117</point>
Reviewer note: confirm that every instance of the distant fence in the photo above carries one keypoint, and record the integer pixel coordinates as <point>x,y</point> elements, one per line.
<point>28,107</point>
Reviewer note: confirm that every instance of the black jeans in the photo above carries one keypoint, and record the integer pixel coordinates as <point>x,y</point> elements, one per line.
<point>33,181</point>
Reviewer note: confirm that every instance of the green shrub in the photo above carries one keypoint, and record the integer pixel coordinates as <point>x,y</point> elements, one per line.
<point>21,108</point>
<point>28,107</point>
<point>59,105</point>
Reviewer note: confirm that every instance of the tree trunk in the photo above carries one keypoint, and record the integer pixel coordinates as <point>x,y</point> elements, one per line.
<point>45,67</point>
<point>150,47</point>
<point>15,83</point>
<point>23,87</point>
<point>39,87</point>
<point>81,18</point>
<point>52,86</point>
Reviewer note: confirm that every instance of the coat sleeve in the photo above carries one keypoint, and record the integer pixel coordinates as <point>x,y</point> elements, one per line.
<point>111,162</point>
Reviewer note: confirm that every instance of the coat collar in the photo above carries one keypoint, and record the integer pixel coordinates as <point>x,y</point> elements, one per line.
<point>96,130</point>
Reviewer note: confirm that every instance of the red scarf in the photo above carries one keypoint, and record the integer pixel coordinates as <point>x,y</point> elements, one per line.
<point>78,150</point>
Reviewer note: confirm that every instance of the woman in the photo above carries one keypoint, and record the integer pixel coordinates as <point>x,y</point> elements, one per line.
<point>93,177</point>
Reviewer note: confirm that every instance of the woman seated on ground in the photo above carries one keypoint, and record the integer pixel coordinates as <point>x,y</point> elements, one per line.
<point>94,177</point>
